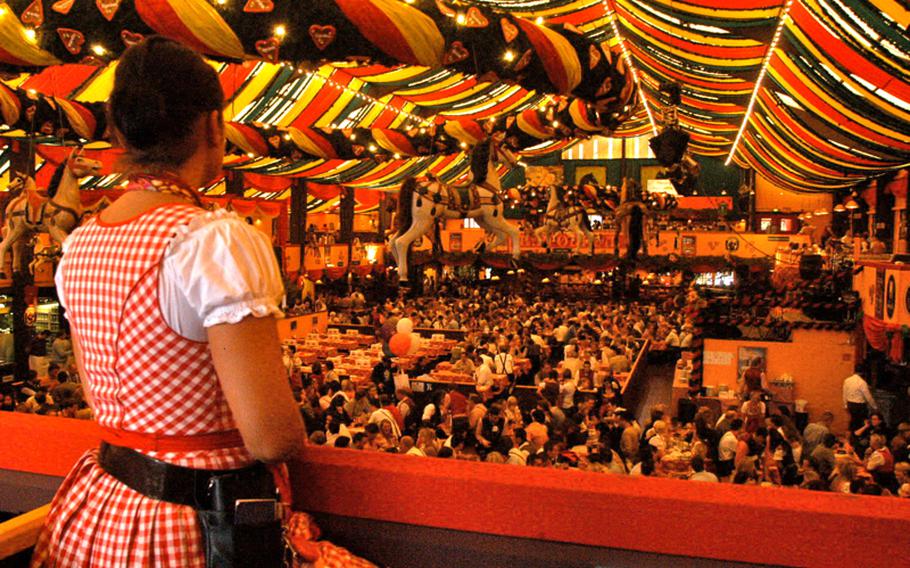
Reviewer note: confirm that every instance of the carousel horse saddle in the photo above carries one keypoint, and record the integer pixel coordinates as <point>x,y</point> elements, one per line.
<point>35,202</point>
<point>463,197</point>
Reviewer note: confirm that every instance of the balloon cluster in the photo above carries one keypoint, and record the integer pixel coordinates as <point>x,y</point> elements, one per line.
<point>403,341</point>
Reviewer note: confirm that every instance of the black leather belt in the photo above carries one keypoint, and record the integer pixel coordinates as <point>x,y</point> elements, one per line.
<point>196,488</point>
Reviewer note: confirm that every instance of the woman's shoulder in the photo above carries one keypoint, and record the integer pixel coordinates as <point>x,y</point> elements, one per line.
<point>216,228</point>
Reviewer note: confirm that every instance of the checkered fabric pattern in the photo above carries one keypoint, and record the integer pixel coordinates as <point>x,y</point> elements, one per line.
<point>143,377</point>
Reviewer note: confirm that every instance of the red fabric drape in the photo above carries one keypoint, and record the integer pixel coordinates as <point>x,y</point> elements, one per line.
<point>271,184</point>
<point>323,191</point>
<point>60,80</point>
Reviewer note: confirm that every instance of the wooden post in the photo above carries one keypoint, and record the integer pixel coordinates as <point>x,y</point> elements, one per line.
<point>298,213</point>
<point>233,183</point>
<point>346,214</point>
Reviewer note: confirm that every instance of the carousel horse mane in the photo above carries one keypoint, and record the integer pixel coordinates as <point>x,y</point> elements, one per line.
<point>404,218</point>
<point>480,159</point>
<point>54,184</point>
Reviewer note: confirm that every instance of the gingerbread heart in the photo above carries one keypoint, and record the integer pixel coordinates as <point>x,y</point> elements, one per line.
<point>476,19</point>
<point>73,40</point>
<point>509,30</point>
<point>33,15</point>
<point>268,49</point>
<point>322,36</point>
<point>129,38</point>
<point>275,141</point>
<point>594,56</point>
<point>444,9</point>
<point>62,6</point>
<point>457,52</point>
<point>605,48</point>
<point>524,61</point>
<point>258,6</point>
<point>357,149</point>
<point>108,8</point>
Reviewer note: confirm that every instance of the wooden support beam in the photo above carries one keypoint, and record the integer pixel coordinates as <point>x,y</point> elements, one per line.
<point>298,212</point>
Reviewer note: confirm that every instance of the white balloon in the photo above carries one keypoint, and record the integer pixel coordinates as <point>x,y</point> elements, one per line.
<point>415,344</point>
<point>405,325</point>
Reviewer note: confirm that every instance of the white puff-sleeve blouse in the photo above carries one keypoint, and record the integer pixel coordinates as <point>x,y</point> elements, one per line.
<point>217,269</point>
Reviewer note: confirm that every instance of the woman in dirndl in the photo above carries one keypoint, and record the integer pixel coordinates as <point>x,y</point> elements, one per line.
<point>172,309</point>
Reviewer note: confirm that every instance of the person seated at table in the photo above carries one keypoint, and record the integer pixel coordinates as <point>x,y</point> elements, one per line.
<point>880,462</point>
<point>337,411</point>
<point>698,471</point>
<point>464,363</point>
<point>360,408</point>
<point>330,374</point>
<point>823,453</point>
<point>537,431</point>
<point>746,472</point>
<point>586,376</point>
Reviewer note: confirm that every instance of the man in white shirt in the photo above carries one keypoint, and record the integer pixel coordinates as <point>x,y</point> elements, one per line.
<point>571,361</point>
<point>857,399</point>
<point>726,449</point>
<point>567,388</point>
<point>504,363</point>
<point>483,377</point>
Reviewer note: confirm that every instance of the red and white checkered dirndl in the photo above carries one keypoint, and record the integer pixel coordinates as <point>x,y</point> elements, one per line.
<point>143,377</point>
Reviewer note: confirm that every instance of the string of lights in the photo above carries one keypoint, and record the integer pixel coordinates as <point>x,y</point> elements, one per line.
<point>611,18</point>
<point>781,22</point>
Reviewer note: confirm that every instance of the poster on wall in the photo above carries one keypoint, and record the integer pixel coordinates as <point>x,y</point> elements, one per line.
<point>746,355</point>
<point>455,242</point>
<point>542,176</point>
<point>880,293</point>
<point>688,246</point>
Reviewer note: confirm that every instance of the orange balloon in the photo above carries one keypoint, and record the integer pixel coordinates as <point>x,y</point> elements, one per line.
<point>399,344</point>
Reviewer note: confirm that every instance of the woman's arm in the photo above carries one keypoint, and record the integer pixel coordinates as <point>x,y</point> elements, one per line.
<point>247,358</point>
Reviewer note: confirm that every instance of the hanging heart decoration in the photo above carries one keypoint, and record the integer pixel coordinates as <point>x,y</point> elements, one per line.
<point>457,52</point>
<point>476,19</point>
<point>108,8</point>
<point>524,61</point>
<point>33,15</point>
<point>258,6</point>
<point>322,36</point>
<point>594,58</point>
<point>275,141</point>
<point>62,6</point>
<point>358,149</point>
<point>73,40</point>
<point>268,49</point>
<point>605,48</point>
<point>509,30</point>
<point>130,38</point>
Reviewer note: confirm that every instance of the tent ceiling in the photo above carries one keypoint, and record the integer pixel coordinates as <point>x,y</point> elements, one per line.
<point>832,109</point>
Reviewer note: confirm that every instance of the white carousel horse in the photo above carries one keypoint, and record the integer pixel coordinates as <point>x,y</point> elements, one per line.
<point>58,213</point>
<point>420,203</point>
<point>560,217</point>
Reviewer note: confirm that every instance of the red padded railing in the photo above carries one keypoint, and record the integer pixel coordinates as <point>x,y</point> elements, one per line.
<point>750,524</point>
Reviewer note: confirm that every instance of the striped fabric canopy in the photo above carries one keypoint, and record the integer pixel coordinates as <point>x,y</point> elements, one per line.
<point>825,109</point>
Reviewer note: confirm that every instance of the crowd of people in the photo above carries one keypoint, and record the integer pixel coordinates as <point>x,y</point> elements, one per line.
<point>52,387</point>
<point>572,418</point>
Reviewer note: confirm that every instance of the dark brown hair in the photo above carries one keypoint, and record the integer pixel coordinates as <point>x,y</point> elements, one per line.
<point>161,88</point>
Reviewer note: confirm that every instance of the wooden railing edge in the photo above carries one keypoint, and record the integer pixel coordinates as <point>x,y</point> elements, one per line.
<point>21,532</point>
